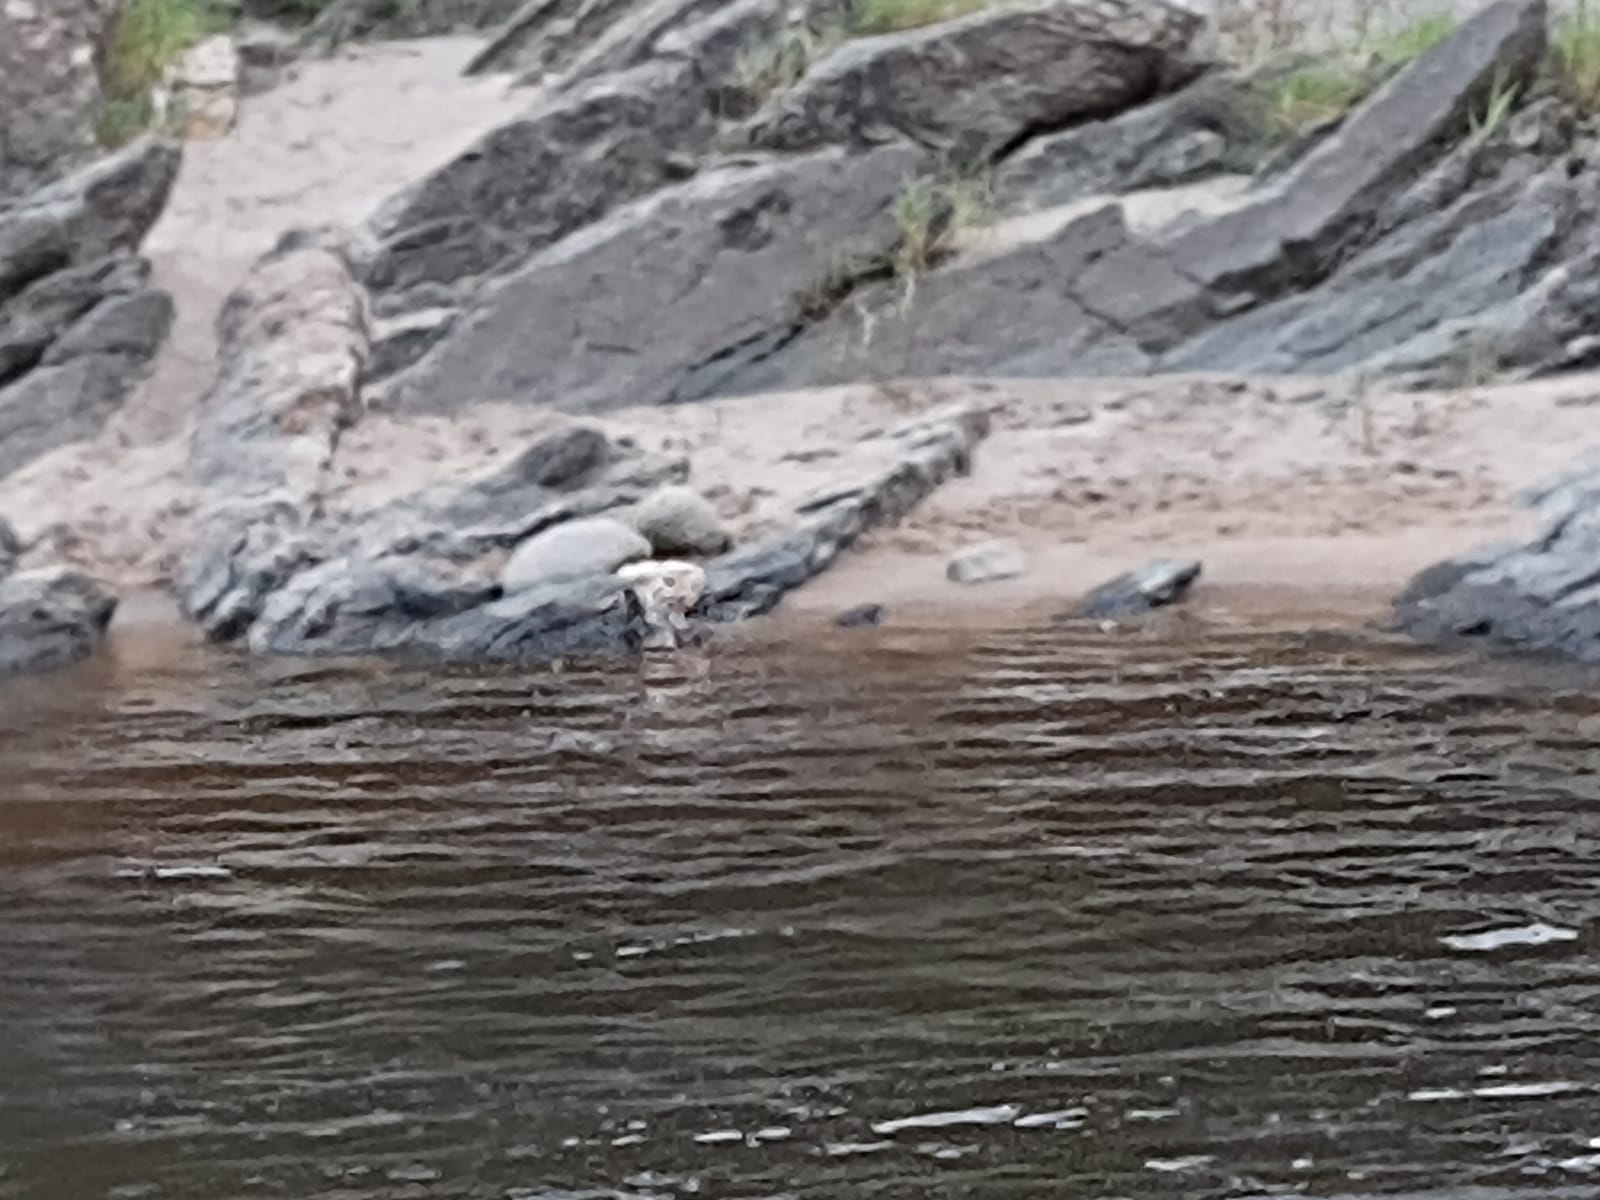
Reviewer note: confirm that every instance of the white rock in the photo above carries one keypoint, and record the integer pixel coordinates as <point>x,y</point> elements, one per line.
<point>586,546</point>
<point>987,561</point>
<point>667,590</point>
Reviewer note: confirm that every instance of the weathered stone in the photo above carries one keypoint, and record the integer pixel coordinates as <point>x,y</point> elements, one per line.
<point>1539,594</point>
<point>678,520</point>
<point>202,88</point>
<point>669,298</point>
<point>1215,124</point>
<point>34,318</point>
<point>589,546</point>
<point>976,85</point>
<point>925,452</point>
<point>667,591</point>
<point>1084,300</point>
<point>861,616</point>
<point>341,21</point>
<point>53,406</point>
<point>985,562</point>
<point>11,548</point>
<point>1156,584</point>
<point>1299,226</point>
<point>544,36</point>
<point>292,339</point>
<point>99,210</point>
<point>78,323</point>
<point>50,618</point>
<point>49,88</point>
<point>569,160</point>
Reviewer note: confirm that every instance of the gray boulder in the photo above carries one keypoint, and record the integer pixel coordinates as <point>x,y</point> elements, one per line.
<point>571,158</point>
<point>588,546</point>
<point>1155,584</point>
<point>49,88</point>
<point>986,562</point>
<point>49,619</point>
<point>678,521</point>
<point>1541,595</point>
<point>670,297</point>
<point>79,323</point>
<point>976,85</point>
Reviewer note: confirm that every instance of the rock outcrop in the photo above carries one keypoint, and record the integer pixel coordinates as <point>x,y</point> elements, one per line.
<point>667,299</point>
<point>50,618</point>
<point>79,321</point>
<point>1155,584</point>
<point>975,86</point>
<point>49,89</point>
<point>1540,595</point>
<point>292,342</point>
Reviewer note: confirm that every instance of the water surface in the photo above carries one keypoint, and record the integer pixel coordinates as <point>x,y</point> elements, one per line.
<point>1014,914</point>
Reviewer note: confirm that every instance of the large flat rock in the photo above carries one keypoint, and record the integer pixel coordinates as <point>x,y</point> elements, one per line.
<point>977,84</point>
<point>669,298</point>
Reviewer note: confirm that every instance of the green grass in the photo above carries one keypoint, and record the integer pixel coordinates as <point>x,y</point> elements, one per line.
<point>889,16</point>
<point>145,37</point>
<point>1342,78</point>
<point>1575,49</point>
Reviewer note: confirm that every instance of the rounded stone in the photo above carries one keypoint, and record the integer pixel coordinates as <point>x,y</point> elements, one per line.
<point>586,546</point>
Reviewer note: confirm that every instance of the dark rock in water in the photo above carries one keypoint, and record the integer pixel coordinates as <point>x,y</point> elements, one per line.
<point>977,84</point>
<point>50,618</point>
<point>753,579</point>
<point>1540,595</point>
<point>1158,583</point>
<point>861,615</point>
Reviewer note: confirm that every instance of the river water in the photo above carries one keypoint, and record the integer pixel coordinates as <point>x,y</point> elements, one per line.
<point>1009,914</point>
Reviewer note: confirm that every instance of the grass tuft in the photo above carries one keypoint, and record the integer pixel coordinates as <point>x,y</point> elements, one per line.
<point>145,37</point>
<point>891,16</point>
<point>1339,80</point>
<point>1575,49</point>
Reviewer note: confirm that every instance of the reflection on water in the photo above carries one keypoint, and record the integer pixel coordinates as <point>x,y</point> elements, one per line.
<point>1016,914</point>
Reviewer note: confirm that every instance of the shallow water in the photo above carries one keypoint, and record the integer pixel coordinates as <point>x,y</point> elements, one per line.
<point>981,915</point>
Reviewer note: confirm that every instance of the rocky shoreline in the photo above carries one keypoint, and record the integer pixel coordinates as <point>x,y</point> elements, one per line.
<point>668,222</point>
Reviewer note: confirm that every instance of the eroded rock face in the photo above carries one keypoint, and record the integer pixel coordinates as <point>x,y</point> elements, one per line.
<point>49,89</point>
<point>49,619</point>
<point>292,342</point>
<point>670,297</point>
<point>977,84</point>
<point>79,321</point>
<point>572,158</point>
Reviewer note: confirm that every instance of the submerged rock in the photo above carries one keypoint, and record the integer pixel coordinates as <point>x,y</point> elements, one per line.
<point>50,618</point>
<point>984,562</point>
<point>1156,584</point>
<point>588,546</point>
